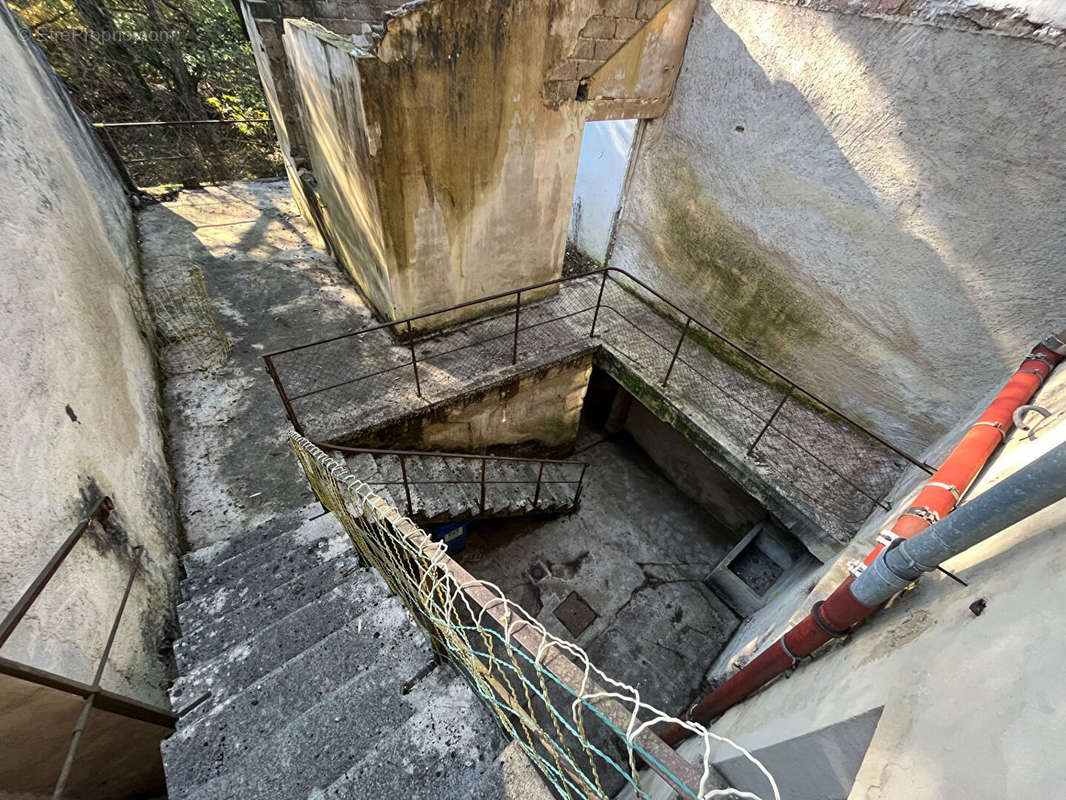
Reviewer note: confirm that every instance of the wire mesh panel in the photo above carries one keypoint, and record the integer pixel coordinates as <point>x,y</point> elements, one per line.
<point>587,733</point>
<point>187,334</point>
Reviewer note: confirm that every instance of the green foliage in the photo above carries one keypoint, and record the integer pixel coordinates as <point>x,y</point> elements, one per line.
<point>139,60</point>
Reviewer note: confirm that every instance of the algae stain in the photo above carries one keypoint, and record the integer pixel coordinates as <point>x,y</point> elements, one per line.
<point>752,294</point>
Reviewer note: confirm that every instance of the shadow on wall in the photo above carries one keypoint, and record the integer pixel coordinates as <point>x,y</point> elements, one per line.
<point>746,203</point>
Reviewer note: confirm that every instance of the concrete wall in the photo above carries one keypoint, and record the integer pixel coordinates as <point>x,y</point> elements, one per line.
<point>80,413</point>
<point>536,412</point>
<point>872,205</point>
<point>693,473</point>
<point>338,140</point>
<point>601,169</point>
<point>465,119</point>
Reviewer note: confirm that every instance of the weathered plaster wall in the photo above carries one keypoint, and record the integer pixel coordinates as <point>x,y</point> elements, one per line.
<point>537,411</point>
<point>475,173</point>
<point>340,143</point>
<point>466,121</point>
<point>80,414</point>
<point>873,206</point>
<point>693,473</point>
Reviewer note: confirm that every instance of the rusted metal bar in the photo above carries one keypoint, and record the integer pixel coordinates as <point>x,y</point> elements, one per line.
<point>79,727</point>
<point>379,452</point>
<point>99,510</point>
<point>580,484</point>
<point>488,299</point>
<point>414,359</point>
<point>688,321</point>
<point>599,302</point>
<point>406,483</point>
<point>179,122</point>
<point>289,412</point>
<point>536,494</point>
<point>770,421</point>
<point>484,463</point>
<point>75,739</point>
<point>105,700</point>
<point>599,299</point>
<point>517,314</point>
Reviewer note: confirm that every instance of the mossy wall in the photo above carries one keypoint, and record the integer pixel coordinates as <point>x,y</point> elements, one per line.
<point>823,194</point>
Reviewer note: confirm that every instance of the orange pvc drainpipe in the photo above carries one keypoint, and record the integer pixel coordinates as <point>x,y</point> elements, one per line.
<point>838,613</point>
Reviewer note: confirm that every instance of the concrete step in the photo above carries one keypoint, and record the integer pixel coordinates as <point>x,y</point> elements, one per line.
<point>211,635</point>
<point>258,569</point>
<point>234,726</point>
<point>228,672</point>
<point>206,558</point>
<point>457,759</point>
<point>293,758</point>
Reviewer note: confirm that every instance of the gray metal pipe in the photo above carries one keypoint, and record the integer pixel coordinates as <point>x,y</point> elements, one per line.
<point>1021,495</point>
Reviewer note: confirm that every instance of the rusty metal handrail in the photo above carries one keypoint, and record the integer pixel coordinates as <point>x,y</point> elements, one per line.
<point>482,482</point>
<point>605,272</point>
<point>93,694</point>
<point>671,312</point>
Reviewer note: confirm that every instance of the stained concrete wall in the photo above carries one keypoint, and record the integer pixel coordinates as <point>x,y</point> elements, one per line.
<point>326,75</point>
<point>465,122</point>
<point>872,205</point>
<point>693,473</point>
<point>536,412</point>
<point>80,413</point>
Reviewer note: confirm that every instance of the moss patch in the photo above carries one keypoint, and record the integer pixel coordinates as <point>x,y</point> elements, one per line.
<point>756,297</point>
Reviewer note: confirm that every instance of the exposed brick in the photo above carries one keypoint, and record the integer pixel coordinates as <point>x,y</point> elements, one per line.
<point>598,27</point>
<point>557,92</point>
<point>586,48</point>
<point>294,8</point>
<point>605,48</point>
<point>573,69</point>
<point>621,8</point>
<point>627,28</point>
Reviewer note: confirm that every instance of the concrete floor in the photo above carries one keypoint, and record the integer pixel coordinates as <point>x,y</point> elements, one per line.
<point>636,552</point>
<point>272,286</point>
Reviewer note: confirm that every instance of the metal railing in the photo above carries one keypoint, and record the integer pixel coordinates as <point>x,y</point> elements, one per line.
<point>200,150</point>
<point>480,479</point>
<point>94,695</point>
<point>772,419</point>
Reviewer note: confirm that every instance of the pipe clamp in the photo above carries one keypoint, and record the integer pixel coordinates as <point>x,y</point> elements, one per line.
<point>1041,358</point>
<point>816,615</point>
<point>1054,344</point>
<point>922,512</point>
<point>996,425</point>
<point>953,489</point>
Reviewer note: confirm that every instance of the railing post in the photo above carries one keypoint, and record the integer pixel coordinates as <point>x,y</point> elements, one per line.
<point>289,412</point>
<point>482,504</point>
<point>599,299</point>
<point>580,483</point>
<point>414,359</point>
<point>770,421</point>
<point>517,312</point>
<point>536,494</point>
<point>406,484</point>
<point>684,331</point>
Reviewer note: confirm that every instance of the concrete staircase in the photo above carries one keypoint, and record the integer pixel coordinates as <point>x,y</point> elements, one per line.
<point>447,488</point>
<point>294,658</point>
